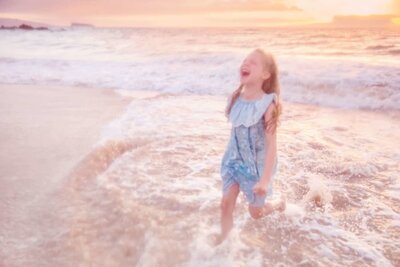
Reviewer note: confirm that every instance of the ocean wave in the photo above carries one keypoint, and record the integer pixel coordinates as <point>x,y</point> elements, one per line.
<point>324,82</point>
<point>337,75</point>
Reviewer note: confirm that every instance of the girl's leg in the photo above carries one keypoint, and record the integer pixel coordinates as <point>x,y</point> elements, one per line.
<point>268,208</point>
<point>227,206</point>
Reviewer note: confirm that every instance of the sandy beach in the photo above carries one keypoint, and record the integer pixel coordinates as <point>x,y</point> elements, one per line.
<point>45,131</point>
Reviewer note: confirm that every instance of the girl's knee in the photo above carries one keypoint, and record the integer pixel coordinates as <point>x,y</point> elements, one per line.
<point>226,203</point>
<point>234,189</point>
<point>256,212</point>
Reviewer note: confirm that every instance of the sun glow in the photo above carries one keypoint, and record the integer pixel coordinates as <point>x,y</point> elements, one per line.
<point>396,21</point>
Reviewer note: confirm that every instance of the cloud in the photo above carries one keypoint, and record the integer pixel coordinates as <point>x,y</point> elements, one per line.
<point>127,7</point>
<point>251,5</point>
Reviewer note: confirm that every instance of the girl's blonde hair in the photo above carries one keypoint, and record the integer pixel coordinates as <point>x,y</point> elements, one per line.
<point>270,85</point>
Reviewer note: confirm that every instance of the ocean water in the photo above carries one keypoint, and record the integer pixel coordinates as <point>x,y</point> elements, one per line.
<point>148,194</point>
<point>352,68</point>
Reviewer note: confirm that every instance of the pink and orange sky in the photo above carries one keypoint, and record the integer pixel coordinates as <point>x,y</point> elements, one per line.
<point>177,13</point>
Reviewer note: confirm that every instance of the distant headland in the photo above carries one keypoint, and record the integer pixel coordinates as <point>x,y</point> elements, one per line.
<point>17,24</point>
<point>23,27</point>
<point>81,25</point>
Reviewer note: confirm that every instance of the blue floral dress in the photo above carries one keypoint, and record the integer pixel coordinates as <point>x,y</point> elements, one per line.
<point>243,160</point>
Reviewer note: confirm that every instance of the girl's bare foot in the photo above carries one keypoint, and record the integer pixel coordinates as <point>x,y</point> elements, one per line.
<point>217,239</point>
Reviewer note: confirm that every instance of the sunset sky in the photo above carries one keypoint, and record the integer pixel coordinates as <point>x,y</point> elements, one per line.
<point>193,12</point>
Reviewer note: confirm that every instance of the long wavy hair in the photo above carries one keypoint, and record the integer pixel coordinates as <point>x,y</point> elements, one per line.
<point>270,85</point>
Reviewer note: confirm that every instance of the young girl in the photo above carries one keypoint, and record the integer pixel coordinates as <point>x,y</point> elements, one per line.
<point>250,161</point>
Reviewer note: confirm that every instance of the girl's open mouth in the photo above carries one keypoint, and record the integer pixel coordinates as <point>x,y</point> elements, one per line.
<point>245,73</point>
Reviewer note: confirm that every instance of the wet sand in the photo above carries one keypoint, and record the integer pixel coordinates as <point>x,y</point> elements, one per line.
<point>44,132</point>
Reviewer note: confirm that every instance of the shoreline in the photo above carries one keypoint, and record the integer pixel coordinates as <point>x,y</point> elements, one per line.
<point>45,132</point>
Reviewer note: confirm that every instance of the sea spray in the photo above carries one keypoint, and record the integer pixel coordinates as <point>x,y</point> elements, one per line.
<point>319,193</point>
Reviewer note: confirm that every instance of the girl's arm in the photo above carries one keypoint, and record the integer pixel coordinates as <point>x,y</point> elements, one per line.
<point>270,142</point>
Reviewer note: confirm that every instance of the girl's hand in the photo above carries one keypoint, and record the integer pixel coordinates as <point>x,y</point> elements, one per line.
<point>260,188</point>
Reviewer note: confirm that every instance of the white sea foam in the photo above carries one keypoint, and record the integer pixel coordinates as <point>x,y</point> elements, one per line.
<point>318,190</point>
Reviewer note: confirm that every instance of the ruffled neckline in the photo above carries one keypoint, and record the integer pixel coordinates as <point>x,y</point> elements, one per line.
<point>248,112</point>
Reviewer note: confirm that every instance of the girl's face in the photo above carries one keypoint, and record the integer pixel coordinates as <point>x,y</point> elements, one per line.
<point>252,69</point>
